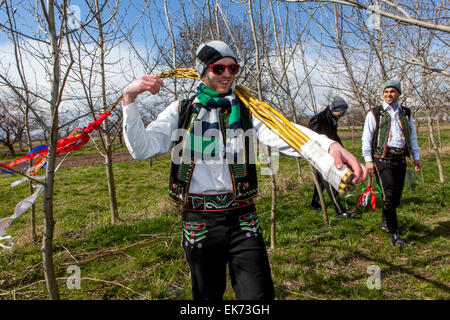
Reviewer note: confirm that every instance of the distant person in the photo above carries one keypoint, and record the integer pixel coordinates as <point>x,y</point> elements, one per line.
<point>220,227</point>
<point>388,138</point>
<point>326,122</point>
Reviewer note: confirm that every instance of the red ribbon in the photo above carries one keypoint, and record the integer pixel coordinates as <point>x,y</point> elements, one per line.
<point>74,141</point>
<point>368,192</point>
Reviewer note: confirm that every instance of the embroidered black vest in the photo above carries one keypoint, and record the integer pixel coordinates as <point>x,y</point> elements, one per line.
<point>243,175</point>
<point>383,125</point>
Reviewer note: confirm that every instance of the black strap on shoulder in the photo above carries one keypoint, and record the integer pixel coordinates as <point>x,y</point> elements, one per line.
<point>184,112</point>
<point>246,116</point>
<point>376,113</point>
<point>184,104</point>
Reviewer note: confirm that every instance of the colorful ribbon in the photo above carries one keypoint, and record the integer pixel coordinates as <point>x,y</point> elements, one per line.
<point>369,195</point>
<point>74,141</point>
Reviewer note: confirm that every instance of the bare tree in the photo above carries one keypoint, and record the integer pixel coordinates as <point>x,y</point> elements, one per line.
<point>57,34</point>
<point>96,45</point>
<point>49,53</point>
<point>396,11</point>
<point>173,49</point>
<point>12,126</point>
<point>427,87</point>
<point>21,89</point>
<point>259,44</point>
<point>414,54</point>
<point>106,140</point>
<point>284,59</point>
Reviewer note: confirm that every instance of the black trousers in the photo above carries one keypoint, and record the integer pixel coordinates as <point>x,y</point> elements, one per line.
<point>332,193</point>
<point>390,176</point>
<point>214,239</point>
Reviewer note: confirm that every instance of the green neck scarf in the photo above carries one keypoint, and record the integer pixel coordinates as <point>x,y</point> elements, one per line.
<point>204,135</point>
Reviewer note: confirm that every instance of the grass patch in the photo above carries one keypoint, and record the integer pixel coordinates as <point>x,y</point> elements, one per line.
<point>141,257</point>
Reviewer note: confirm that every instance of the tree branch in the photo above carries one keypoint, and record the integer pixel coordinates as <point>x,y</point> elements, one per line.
<point>405,19</point>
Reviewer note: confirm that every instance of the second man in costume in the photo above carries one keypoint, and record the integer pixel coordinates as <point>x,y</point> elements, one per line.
<point>389,137</point>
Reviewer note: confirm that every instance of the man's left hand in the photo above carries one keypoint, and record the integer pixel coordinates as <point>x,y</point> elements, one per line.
<point>341,156</point>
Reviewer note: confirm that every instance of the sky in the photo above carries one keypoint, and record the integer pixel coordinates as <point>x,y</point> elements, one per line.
<point>124,64</point>
<point>80,11</point>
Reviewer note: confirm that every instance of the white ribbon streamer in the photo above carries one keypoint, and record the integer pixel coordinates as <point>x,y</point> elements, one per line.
<point>20,209</point>
<point>9,239</point>
<point>16,183</point>
<point>22,206</point>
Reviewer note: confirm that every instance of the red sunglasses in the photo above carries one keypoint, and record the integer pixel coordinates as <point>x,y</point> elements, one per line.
<point>218,69</point>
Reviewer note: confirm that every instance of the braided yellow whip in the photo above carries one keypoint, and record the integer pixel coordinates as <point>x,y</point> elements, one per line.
<point>311,151</point>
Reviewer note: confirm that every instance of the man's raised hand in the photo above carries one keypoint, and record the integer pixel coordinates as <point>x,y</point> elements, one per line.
<point>144,83</point>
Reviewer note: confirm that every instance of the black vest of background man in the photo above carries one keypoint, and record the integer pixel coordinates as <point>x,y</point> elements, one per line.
<point>326,123</point>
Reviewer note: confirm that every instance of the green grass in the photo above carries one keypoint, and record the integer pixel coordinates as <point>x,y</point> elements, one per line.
<point>141,257</point>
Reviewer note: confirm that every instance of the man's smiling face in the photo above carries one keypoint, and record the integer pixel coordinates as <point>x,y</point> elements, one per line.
<point>391,95</point>
<point>219,83</point>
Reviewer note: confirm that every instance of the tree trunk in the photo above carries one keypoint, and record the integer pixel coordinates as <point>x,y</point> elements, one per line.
<point>111,184</point>
<point>106,128</point>
<point>10,147</point>
<point>21,148</point>
<point>30,164</point>
<point>49,222</point>
<point>438,125</point>
<point>285,80</point>
<point>259,90</point>
<point>322,201</point>
<point>429,110</point>
<point>299,170</point>
<point>33,216</point>
<point>353,132</point>
<point>428,135</point>
<point>435,148</point>
<point>11,150</point>
<point>120,137</point>
<point>273,211</point>
<point>47,241</point>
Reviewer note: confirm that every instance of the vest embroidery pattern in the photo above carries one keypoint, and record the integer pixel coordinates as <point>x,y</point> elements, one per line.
<point>244,181</point>
<point>384,127</point>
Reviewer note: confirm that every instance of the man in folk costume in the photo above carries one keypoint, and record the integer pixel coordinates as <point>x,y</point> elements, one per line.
<point>326,122</point>
<point>389,137</point>
<point>213,173</point>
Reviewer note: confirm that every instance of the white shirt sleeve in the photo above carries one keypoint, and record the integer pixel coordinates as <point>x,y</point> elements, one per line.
<point>268,137</point>
<point>156,138</point>
<point>415,150</point>
<point>369,129</point>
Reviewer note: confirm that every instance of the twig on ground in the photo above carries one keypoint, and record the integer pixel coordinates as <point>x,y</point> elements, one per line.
<point>13,292</point>
<point>103,253</point>
<point>68,251</point>
<point>301,294</point>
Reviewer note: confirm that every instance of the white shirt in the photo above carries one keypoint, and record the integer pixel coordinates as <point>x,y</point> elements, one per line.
<point>395,139</point>
<point>207,178</point>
